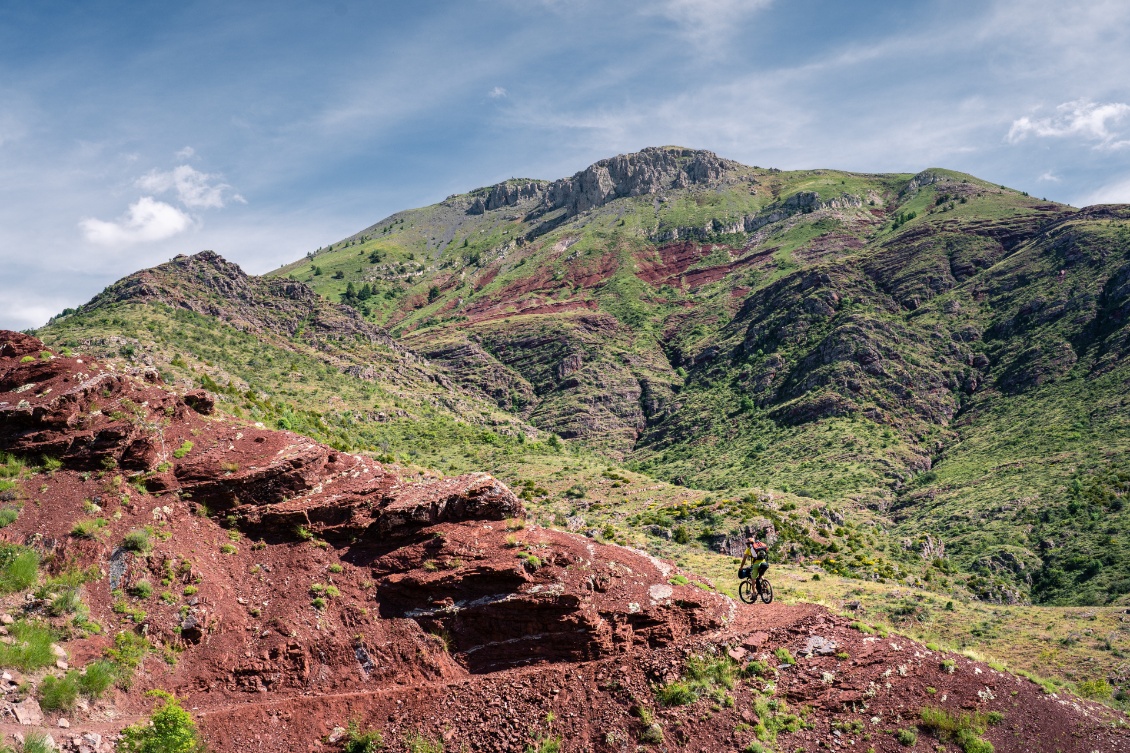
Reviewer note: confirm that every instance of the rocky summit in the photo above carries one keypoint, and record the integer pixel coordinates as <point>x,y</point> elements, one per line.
<point>476,477</point>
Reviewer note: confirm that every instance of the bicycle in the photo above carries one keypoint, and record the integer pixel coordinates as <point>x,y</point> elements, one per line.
<point>750,589</point>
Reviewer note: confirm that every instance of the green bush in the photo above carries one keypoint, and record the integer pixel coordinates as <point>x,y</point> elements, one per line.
<point>545,745</point>
<point>8,516</point>
<point>362,742</point>
<point>137,540</point>
<point>676,694</point>
<point>170,729</point>
<point>183,450</point>
<point>420,744</point>
<point>964,729</point>
<point>784,656</point>
<point>707,671</point>
<point>88,529</point>
<point>30,648</point>
<point>1098,689</point>
<point>19,570</point>
<point>59,693</point>
<point>37,742</point>
<point>907,737</point>
<point>68,602</point>
<point>143,589</point>
<point>128,652</point>
<point>97,678</point>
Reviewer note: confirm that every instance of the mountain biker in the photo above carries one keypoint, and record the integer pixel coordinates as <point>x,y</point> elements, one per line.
<point>757,554</point>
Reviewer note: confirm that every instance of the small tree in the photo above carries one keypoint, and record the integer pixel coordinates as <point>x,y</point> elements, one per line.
<point>170,729</point>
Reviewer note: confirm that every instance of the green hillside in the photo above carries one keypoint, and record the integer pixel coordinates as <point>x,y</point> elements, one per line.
<point>931,368</point>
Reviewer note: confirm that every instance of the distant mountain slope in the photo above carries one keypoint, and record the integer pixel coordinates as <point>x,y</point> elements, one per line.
<point>841,335</point>
<point>947,352</point>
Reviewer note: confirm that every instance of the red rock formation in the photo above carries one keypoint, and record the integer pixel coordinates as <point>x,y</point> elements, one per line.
<point>432,615</point>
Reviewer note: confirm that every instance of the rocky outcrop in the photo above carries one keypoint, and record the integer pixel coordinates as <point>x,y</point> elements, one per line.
<point>92,417</point>
<point>207,284</point>
<point>508,194</point>
<point>649,171</point>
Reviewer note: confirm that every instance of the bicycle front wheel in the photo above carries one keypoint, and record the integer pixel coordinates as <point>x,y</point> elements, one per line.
<point>745,592</point>
<point>765,591</point>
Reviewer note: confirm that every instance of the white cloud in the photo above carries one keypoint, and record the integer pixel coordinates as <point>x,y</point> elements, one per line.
<point>496,93</point>
<point>194,189</point>
<point>1081,118</point>
<point>187,153</point>
<point>146,220</point>
<point>1049,177</point>
<point>1117,192</point>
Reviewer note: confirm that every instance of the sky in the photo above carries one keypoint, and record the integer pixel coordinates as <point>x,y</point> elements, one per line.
<point>132,132</point>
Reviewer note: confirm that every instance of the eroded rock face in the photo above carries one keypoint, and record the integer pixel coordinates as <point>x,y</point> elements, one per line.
<point>533,595</point>
<point>94,417</point>
<point>646,172</point>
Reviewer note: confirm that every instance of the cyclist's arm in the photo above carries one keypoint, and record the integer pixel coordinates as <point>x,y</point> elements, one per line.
<point>747,557</point>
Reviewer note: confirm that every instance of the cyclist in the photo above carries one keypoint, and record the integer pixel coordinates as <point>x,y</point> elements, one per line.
<point>756,553</point>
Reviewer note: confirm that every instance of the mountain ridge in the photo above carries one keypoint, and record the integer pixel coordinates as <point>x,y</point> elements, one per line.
<point>846,336</point>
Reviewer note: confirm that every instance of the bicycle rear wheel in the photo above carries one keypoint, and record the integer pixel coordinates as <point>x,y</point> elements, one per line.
<point>765,591</point>
<point>745,592</point>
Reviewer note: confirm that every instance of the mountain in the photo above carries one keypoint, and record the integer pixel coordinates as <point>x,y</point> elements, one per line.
<point>934,347</point>
<point>934,366</point>
<point>314,599</point>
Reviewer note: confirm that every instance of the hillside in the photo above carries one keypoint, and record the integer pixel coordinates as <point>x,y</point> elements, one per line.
<point>938,349</point>
<point>297,597</point>
<point>934,366</point>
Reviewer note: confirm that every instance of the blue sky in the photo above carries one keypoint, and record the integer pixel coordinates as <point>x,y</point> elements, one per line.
<point>130,132</point>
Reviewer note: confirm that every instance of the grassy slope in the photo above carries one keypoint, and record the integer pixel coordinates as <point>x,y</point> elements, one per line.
<point>1016,467</point>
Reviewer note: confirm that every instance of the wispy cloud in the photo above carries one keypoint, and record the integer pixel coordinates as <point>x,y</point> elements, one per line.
<point>187,153</point>
<point>1091,121</point>
<point>194,189</point>
<point>147,220</point>
<point>1116,192</point>
<point>704,20</point>
<point>496,93</point>
<point>1048,177</point>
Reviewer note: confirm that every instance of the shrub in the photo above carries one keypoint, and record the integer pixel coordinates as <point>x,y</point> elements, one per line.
<point>784,656</point>
<point>318,603</point>
<point>89,528</point>
<point>30,648</point>
<point>68,602</point>
<point>143,589</point>
<point>8,516</point>
<point>37,742</point>
<point>964,729</point>
<point>170,729</point>
<point>679,580</point>
<point>335,568</point>
<point>907,737</point>
<point>97,678</point>
<point>676,694</point>
<point>226,548</point>
<point>705,671</point>
<point>190,590</point>
<point>652,734</point>
<point>183,450</point>
<point>420,744</point>
<point>545,745</point>
<point>20,569</point>
<point>128,652</point>
<point>59,693</point>
<point>362,742</point>
<point>137,540</point>
<point>1098,689</point>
